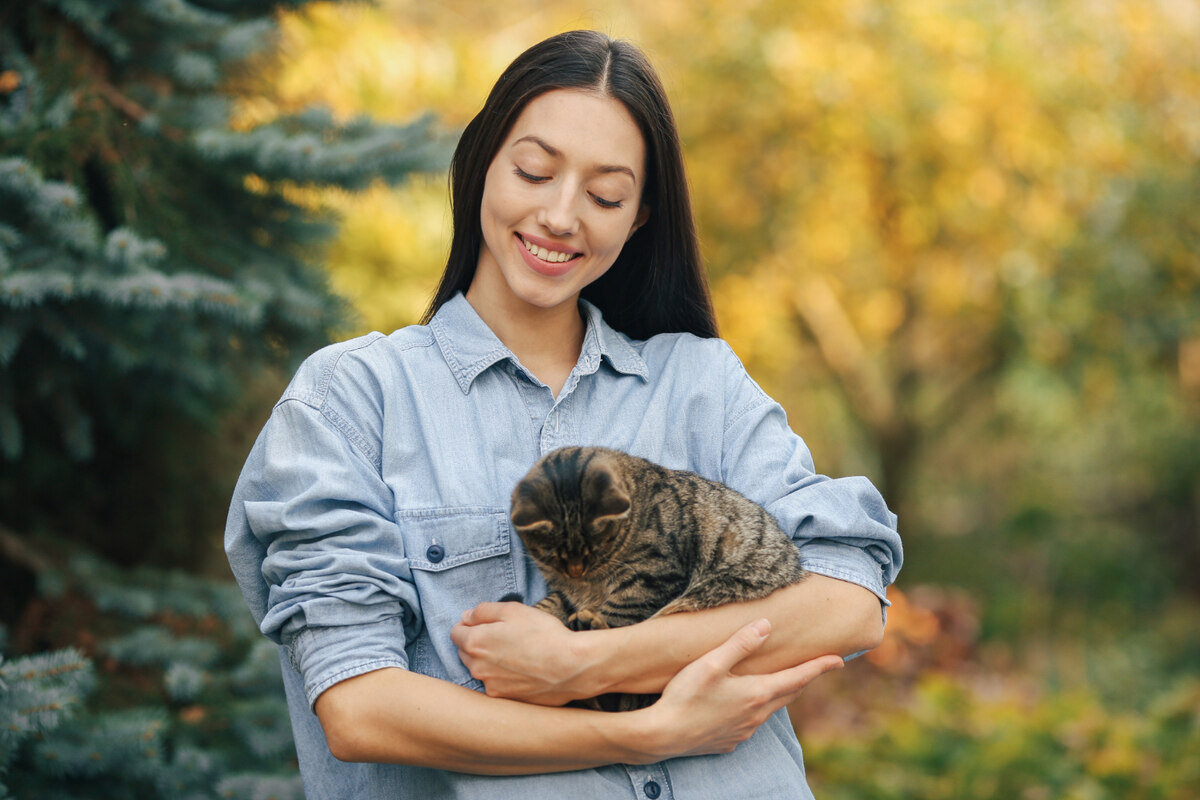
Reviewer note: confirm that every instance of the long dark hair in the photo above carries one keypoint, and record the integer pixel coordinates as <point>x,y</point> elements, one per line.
<point>657,284</point>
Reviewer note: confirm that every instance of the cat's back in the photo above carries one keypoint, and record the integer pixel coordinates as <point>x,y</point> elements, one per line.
<point>711,501</point>
<point>736,530</point>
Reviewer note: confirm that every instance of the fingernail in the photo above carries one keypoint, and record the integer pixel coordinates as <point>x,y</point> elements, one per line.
<point>762,627</point>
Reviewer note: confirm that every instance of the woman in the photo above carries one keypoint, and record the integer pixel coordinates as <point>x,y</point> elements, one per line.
<point>369,528</point>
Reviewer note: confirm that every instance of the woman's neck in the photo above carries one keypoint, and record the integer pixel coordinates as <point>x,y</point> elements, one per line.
<point>547,341</point>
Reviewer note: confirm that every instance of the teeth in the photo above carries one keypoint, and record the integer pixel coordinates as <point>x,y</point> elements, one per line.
<point>552,256</point>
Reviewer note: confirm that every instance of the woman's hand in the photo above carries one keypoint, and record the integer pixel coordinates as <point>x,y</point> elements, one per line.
<point>707,709</point>
<point>521,653</point>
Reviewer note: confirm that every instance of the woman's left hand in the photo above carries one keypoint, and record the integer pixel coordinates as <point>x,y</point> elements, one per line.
<point>522,653</point>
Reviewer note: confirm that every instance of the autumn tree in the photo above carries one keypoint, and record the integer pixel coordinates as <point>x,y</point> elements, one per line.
<point>902,196</point>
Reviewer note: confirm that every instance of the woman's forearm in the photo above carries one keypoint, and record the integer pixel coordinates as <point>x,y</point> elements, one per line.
<point>394,716</point>
<point>818,616</point>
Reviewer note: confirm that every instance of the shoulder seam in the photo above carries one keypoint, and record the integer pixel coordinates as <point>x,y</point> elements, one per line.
<point>762,397</point>
<point>327,375</point>
<point>317,399</point>
<point>352,435</point>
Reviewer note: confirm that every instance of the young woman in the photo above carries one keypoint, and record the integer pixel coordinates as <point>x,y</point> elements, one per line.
<point>369,528</point>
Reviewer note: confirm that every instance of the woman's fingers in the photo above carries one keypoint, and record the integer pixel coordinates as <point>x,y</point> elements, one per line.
<point>743,642</point>
<point>794,679</point>
<point>718,709</point>
<point>518,652</point>
<point>786,685</point>
<point>722,659</point>
<point>484,613</point>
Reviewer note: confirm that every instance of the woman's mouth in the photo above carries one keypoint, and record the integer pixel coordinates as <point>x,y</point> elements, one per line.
<point>545,260</point>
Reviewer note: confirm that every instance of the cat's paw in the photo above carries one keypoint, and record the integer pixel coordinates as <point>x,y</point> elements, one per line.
<point>585,620</point>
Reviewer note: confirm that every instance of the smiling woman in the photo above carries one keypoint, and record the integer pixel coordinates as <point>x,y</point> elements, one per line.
<point>656,283</point>
<point>370,530</point>
<point>560,201</point>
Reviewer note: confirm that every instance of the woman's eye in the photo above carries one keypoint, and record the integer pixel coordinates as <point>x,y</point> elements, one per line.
<point>600,201</point>
<point>520,173</point>
<point>597,199</point>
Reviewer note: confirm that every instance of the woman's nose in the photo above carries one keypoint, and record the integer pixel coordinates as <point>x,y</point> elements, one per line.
<point>559,215</point>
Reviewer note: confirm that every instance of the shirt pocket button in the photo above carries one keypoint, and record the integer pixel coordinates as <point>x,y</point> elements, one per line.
<point>435,553</point>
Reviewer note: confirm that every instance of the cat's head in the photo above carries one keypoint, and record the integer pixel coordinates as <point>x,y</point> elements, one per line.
<point>572,509</point>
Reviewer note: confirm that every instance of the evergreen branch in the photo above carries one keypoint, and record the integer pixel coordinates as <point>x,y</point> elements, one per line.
<point>311,147</point>
<point>56,206</point>
<point>133,109</point>
<point>123,742</point>
<point>91,19</point>
<point>184,681</point>
<point>262,725</point>
<point>181,14</point>
<point>155,645</point>
<point>41,691</point>
<point>148,290</point>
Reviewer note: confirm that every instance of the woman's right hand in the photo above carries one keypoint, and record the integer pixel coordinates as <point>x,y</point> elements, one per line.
<point>706,709</point>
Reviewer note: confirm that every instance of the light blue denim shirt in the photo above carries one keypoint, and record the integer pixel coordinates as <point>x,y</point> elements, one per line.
<point>373,511</point>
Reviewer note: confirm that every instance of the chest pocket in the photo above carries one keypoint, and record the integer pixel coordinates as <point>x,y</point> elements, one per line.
<point>459,557</point>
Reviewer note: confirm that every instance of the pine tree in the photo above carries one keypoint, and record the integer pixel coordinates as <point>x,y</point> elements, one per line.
<point>154,258</point>
<point>181,697</point>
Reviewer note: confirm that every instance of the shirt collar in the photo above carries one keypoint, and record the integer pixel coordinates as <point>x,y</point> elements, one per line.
<point>470,347</point>
<point>602,340</point>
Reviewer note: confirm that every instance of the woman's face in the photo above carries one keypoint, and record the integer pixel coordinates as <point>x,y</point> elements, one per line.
<point>560,199</point>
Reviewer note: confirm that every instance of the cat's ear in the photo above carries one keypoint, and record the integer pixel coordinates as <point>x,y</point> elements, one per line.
<point>526,515</point>
<point>614,505</point>
<point>607,498</point>
<point>541,527</point>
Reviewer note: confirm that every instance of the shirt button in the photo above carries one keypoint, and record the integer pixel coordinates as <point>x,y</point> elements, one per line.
<point>652,789</point>
<point>435,553</point>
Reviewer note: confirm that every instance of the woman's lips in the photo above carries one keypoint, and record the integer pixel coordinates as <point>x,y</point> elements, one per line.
<point>551,269</point>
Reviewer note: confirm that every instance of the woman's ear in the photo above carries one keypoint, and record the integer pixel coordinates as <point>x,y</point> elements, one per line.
<point>640,220</point>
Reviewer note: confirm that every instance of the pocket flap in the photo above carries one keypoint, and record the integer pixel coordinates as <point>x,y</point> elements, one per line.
<point>439,539</point>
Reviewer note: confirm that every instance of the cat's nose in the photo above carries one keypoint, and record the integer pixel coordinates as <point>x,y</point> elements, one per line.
<point>575,569</point>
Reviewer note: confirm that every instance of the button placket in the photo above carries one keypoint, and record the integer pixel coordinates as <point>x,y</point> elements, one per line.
<point>650,782</point>
<point>534,397</point>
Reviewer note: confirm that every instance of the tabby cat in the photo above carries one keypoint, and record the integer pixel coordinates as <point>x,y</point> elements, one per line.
<point>620,539</point>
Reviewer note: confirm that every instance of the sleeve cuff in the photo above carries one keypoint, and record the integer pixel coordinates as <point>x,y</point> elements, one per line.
<point>327,655</point>
<point>850,564</point>
<point>846,563</point>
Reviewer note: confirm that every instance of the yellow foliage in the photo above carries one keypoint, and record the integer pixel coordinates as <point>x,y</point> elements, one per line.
<point>757,317</point>
<point>390,251</point>
<point>922,159</point>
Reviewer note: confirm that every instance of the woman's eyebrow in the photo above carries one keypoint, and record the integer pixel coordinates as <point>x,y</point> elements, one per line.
<point>554,151</point>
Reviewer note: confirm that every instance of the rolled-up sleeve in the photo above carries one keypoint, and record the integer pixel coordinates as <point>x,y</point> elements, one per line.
<point>841,526</point>
<point>314,545</point>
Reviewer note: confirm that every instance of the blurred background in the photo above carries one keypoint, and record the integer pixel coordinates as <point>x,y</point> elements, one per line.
<point>959,241</point>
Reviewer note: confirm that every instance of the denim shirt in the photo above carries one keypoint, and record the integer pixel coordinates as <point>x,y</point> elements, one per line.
<point>372,511</point>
